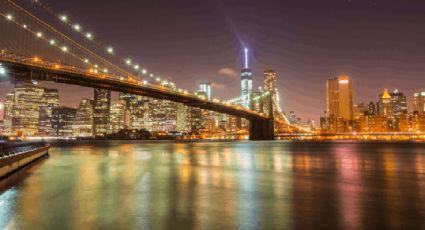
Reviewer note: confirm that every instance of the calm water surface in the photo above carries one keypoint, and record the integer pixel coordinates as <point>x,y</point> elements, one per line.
<point>233,185</point>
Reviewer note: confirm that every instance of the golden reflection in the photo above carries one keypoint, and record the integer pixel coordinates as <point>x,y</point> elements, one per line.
<point>349,188</point>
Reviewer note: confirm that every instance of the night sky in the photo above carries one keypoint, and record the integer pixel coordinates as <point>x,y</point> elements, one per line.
<point>380,44</point>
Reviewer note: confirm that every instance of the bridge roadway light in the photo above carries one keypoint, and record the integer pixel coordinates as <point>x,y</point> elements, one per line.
<point>89,36</point>
<point>144,71</point>
<point>64,49</point>
<point>128,61</point>
<point>39,34</point>
<point>136,67</point>
<point>110,50</point>
<point>9,17</point>
<point>86,60</point>
<point>63,18</point>
<point>52,42</point>
<point>77,27</point>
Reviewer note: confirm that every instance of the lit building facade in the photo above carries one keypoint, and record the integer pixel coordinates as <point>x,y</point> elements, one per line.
<point>270,82</point>
<point>101,110</point>
<point>136,107</point>
<point>385,106</point>
<point>339,100</point>
<point>49,102</point>
<point>371,109</point>
<point>83,122</point>
<point>117,117</point>
<point>62,121</point>
<point>28,110</point>
<point>182,118</point>
<point>399,102</point>
<point>8,114</point>
<point>419,102</point>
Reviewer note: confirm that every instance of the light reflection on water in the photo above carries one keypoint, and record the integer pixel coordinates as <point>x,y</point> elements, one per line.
<point>243,185</point>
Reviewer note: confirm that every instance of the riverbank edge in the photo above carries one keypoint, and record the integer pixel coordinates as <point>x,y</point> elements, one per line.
<point>11,164</point>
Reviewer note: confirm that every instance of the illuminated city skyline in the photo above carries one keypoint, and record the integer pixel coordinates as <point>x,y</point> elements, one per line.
<point>303,58</point>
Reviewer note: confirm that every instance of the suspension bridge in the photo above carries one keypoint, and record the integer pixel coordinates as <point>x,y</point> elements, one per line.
<point>31,49</point>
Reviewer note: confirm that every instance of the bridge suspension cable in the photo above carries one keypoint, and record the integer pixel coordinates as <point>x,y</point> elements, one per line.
<point>77,27</point>
<point>69,46</point>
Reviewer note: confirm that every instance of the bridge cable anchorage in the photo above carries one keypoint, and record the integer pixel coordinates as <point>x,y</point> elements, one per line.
<point>89,35</point>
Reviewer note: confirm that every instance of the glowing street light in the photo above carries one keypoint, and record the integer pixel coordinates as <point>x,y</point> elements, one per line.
<point>52,42</point>
<point>144,71</point>
<point>86,60</point>
<point>136,67</point>
<point>64,49</point>
<point>24,26</point>
<point>39,34</point>
<point>128,61</point>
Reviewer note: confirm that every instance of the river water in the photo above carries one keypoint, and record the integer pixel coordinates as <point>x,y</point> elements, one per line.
<point>219,185</point>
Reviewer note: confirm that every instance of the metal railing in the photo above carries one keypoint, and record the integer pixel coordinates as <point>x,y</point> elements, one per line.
<point>14,148</point>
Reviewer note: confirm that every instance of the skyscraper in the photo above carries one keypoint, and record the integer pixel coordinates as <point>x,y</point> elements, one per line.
<point>137,108</point>
<point>270,85</point>
<point>101,109</point>
<point>8,114</point>
<point>359,110</point>
<point>399,103</point>
<point>206,88</point>
<point>117,117</point>
<point>270,81</point>
<point>26,109</point>
<point>339,101</point>
<point>418,102</point>
<point>385,107</point>
<point>62,120</point>
<point>371,109</point>
<point>246,82</point>
<point>49,102</point>
<point>83,123</point>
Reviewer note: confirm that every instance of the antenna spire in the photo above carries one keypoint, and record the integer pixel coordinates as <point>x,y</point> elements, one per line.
<point>246,58</point>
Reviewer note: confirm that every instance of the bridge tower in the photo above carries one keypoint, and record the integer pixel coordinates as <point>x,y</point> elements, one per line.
<point>263,129</point>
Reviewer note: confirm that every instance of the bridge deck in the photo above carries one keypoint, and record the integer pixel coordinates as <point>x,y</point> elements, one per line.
<point>24,68</point>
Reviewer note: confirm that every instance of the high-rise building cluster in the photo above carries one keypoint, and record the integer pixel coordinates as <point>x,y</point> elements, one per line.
<point>265,99</point>
<point>32,110</point>
<point>388,114</point>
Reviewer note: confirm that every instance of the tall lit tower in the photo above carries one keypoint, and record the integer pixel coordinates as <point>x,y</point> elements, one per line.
<point>339,97</point>
<point>246,81</point>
